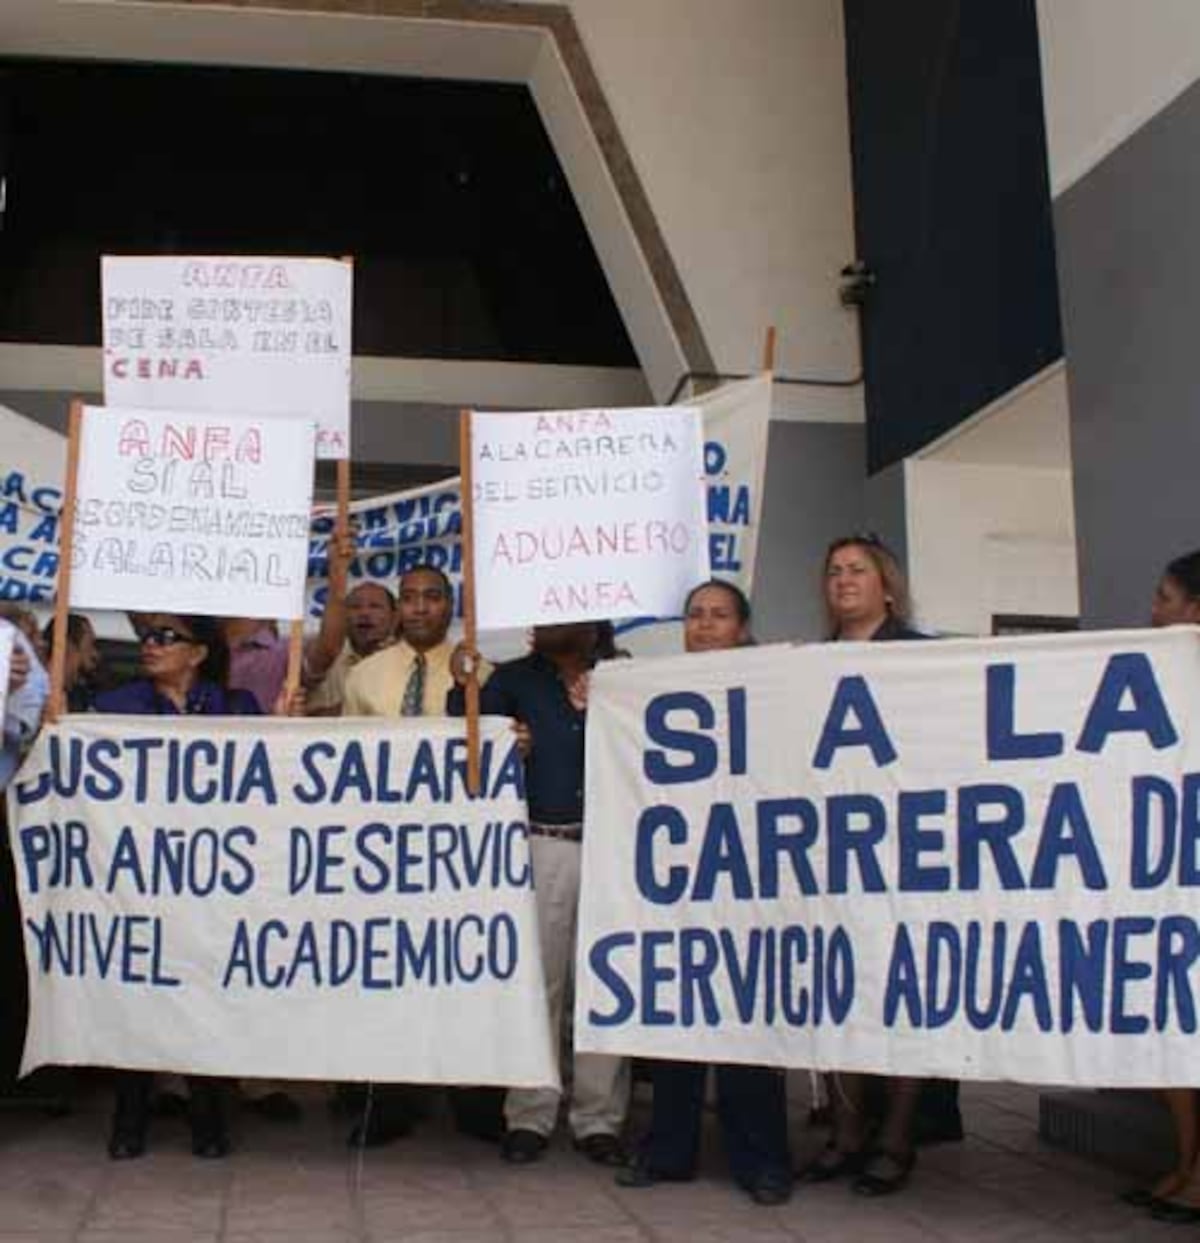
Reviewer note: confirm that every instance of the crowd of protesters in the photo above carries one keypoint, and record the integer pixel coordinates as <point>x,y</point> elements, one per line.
<point>390,655</point>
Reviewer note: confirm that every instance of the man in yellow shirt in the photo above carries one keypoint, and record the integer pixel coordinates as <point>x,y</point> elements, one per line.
<point>412,676</point>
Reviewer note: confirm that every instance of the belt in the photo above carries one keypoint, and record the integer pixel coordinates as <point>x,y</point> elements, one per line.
<point>558,832</point>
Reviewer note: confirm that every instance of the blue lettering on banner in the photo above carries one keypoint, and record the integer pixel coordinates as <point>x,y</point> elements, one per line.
<point>1128,673</point>
<point>996,975</point>
<point>698,746</point>
<point>1165,827</point>
<point>1003,741</point>
<point>677,977</point>
<point>852,699</point>
<point>379,953</point>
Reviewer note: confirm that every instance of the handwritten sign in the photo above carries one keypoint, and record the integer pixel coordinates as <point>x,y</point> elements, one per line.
<point>587,514</point>
<point>191,512</point>
<point>797,861</point>
<point>270,897</point>
<point>260,335</point>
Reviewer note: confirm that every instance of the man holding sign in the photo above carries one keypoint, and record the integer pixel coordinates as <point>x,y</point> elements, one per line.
<point>546,692</point>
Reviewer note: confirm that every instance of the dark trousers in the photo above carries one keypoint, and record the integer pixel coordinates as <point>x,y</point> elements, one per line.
<point>751,1109</point>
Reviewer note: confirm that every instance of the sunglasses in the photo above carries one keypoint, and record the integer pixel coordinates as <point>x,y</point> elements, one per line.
<point>165,636</point>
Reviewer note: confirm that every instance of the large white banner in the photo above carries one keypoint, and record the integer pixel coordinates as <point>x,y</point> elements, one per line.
<point>261,897</point>
<point>971,858</point>
<point>193,513</point>
<point>583,514</point>
<point>263,335</point>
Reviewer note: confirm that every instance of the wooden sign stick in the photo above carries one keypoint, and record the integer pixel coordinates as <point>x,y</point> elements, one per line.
<point>57,704</point>
<point>295,655</point>
<point>769,349</point>
<point>470,637</point>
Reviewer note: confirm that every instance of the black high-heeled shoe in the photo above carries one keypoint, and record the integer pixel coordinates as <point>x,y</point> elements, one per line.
<point>885,1173</point>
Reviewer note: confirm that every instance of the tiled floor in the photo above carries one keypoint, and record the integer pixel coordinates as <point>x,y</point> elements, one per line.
<point>299,1184</point>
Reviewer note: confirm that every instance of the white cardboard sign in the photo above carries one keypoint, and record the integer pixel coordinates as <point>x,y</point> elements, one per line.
<point>263,335</point>
<point>586,514</point>
<point>195,513</point>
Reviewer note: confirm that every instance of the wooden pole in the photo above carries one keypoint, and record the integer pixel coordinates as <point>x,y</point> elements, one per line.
<point>470,637</point>
<point>295,655</point>
<point>57,704</point>
<point>769,349</point>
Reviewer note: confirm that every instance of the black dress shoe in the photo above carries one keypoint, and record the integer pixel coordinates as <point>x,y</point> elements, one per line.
<point>126,1147</point>
<point>770,1189</point>
<point>832,1163</point>
<point>210,1145</point>
<point>1137,1197</point>
<point>640,1173</point>
<point>275,1107</point>
<point>522,1147</point>
<point>603,1149</point>
<point>1174,1212</point>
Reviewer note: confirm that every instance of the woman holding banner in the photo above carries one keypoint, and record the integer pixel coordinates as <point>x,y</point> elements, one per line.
<point>1175,1197</point>
<point>185,662</point>
<point>866,600</point>
<point>751,1100</point>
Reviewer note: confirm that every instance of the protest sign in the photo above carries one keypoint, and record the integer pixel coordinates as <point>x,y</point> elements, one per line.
<point>31,485</point>
<point>736,425</point>
<point>586,514</point>
<point>261,335</point>
<point>266,897</point>
<point>970,858</point>
<point>195,513</point>
<point>402,529</point>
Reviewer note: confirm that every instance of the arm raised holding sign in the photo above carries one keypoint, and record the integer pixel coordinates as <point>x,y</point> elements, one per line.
<point>185,665</point>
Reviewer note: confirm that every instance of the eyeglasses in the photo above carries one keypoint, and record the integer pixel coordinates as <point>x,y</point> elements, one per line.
<point>165,636</point>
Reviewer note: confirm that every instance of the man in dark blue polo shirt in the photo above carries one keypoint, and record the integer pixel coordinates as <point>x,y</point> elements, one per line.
<point>546,692</point>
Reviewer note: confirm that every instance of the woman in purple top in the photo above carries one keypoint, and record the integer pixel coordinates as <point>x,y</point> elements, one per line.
<point>185,664</point>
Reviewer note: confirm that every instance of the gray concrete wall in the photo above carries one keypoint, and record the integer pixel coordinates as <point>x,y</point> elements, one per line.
<point>1129,275</point>
<point>815,491</point>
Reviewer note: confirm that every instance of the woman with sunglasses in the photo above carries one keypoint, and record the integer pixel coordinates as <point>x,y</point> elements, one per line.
<point>866,600</point>
<point>751,1100</point>
<point>185,663</point>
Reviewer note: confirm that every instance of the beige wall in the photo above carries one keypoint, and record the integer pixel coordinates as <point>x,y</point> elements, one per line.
<point>1107,67</point>
<point>735,116</point>
<point>989,539</point>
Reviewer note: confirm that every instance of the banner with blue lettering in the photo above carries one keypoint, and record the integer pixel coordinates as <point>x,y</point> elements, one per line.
<point>969,858</point>
<point>263,897</point>
<point>31,481</point>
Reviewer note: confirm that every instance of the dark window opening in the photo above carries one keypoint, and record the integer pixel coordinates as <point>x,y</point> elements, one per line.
<point>466,239</point>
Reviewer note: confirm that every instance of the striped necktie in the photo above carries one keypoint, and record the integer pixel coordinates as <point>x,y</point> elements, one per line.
<point>413,703</point>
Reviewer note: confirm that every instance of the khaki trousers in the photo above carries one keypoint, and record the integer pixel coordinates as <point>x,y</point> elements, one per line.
<point>599,1083</point>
